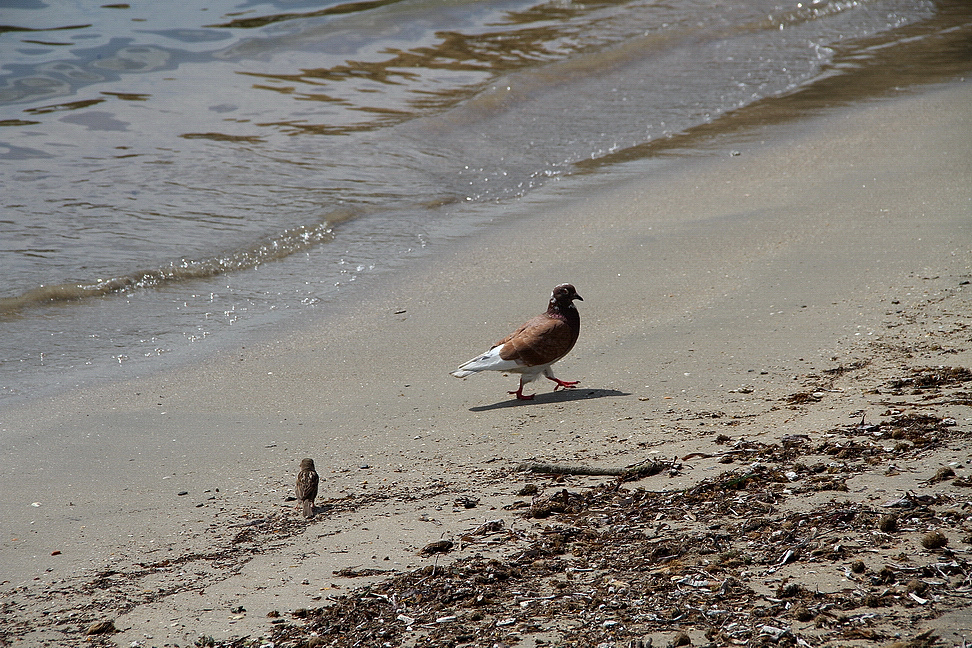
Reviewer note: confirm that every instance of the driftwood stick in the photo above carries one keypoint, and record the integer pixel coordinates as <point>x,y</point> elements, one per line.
<point>645,468</point>
<point>563,469</point>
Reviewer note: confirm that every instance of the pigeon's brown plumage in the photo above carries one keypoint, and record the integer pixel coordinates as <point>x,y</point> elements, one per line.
<point>535,346</point>
<point>307,481</point>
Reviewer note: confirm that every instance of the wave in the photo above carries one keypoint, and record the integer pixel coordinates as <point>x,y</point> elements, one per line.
<point>280,246</point>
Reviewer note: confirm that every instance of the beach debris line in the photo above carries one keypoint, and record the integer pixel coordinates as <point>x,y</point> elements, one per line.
<point>724,562</point>
<point>533,348</point>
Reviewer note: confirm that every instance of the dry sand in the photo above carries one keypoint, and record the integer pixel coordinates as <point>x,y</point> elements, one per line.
<point>716,289</point>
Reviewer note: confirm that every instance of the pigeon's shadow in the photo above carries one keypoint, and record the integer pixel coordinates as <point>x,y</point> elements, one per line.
<point>553,397</point>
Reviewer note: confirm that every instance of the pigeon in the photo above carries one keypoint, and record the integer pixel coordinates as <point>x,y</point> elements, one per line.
<point>307,480</point>
<point>536,345</point>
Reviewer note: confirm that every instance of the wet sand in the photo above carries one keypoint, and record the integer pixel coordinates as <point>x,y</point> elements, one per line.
<point>715,289</point>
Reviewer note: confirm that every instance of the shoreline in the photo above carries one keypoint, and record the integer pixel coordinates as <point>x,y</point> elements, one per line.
<point>715,285</point>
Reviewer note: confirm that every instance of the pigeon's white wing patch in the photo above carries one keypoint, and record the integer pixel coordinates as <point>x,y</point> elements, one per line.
<point>489,361</point>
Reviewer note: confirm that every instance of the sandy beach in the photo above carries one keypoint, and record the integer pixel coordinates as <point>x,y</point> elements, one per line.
<point>719,291</point>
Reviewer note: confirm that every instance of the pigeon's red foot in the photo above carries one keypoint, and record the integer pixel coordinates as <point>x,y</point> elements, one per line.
<point>519,394</point>
<point>566,384</point>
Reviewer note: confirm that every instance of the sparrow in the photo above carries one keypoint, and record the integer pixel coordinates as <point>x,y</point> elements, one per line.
<point>535,346</point>
<point>307,480</point>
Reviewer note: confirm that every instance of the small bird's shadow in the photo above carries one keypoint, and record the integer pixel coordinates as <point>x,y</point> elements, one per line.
<point>553,397</point>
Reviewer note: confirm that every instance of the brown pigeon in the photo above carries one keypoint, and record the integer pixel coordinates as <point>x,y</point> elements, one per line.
<point>307,480</point>
<point>536,345</point>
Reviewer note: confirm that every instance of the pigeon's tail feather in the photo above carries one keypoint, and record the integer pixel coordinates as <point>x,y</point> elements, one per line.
<point>489,361</point>
<point>308,506</point>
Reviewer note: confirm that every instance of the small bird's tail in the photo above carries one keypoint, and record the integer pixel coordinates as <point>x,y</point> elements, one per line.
<point>308,508</point>
<point>462,373</point>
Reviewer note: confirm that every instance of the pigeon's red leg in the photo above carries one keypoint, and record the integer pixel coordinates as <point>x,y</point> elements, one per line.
<point>519,393</point>
<point>566,384</point>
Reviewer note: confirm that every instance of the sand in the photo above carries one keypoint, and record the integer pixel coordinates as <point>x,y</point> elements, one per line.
<point>716,286</point>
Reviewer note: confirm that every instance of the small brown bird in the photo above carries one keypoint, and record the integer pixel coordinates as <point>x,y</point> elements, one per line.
<point>307,480</point>
<point>532,348</point>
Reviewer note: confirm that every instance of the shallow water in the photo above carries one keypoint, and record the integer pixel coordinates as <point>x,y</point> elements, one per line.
<point>173,177</point>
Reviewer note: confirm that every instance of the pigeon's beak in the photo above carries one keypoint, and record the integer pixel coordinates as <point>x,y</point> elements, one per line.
<point>576,296</point>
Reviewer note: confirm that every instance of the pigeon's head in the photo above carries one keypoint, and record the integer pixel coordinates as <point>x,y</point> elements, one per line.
<point>307,464</point>
<point>564,295</point>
